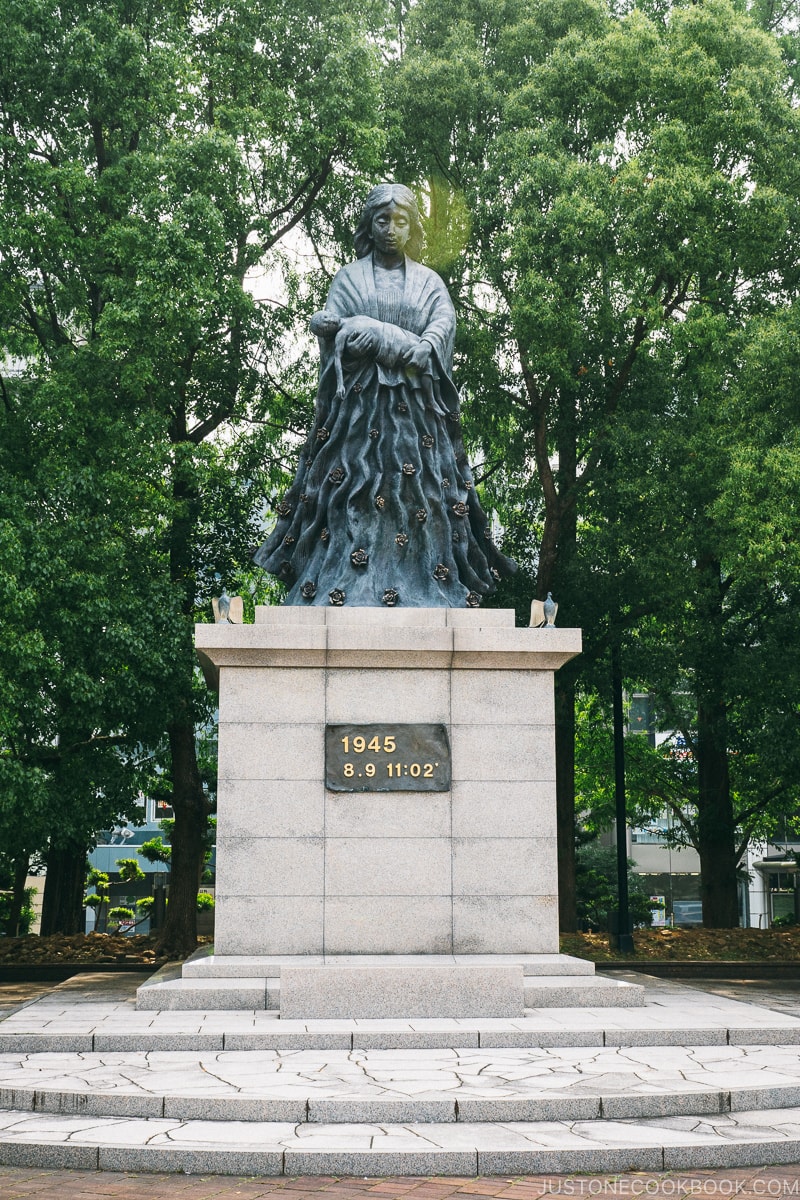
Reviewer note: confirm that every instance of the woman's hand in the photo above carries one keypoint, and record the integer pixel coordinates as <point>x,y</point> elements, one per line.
<point>419,356</point>
<point>365,342</point>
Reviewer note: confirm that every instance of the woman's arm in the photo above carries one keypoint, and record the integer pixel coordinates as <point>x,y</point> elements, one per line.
<point>388,344</point>
<point>440,324</point>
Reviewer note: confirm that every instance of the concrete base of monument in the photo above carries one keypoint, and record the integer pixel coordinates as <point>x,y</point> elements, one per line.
<point>386,782</point>
<point>386,827</point>
<point>330,987</point>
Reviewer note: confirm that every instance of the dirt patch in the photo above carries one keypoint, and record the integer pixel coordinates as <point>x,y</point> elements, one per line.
<point>679,944</point>
<point>79,948</point>
<point>691,945</point>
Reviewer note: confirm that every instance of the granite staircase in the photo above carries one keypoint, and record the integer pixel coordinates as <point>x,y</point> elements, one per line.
<point>685,1080</point>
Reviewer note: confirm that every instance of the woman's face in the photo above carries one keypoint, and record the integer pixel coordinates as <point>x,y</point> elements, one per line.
<point>391,229</point>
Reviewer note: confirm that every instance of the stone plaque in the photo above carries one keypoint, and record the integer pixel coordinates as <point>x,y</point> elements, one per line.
<point>387,758</point>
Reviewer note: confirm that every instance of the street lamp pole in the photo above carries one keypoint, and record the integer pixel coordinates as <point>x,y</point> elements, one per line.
<point>623,941</point>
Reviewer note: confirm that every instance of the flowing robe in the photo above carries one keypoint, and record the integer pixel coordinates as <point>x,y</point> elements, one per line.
<point>382,509</point>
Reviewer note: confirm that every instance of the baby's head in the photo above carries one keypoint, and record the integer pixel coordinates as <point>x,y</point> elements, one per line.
<point>325,324</point>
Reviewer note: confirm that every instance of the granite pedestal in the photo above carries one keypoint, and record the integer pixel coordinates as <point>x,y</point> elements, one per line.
<point>304,871</point>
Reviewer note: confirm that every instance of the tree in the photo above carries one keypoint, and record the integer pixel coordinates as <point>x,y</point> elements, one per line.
<point>152,156</point>
<point>99,880</point>
<point>16,900</point>
<point>597,887</point>
<point>80,677</point>
<point>724,570</point>
<point>716,650</point>
<point>626,181</point>
<point>119,916</point>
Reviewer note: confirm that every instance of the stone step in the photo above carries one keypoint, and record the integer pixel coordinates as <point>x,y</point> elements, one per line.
<point>590,991</point>
<point>233,995</point>
<point>756,1138</point>
<point>38,1030</point>
<point>349,992</point>
<point>439,1086</point>
<point>690,1080</point>
<point>95,1014</point>
<point>162,994</point>
<point>207,965</point>
<point>387,1035</point>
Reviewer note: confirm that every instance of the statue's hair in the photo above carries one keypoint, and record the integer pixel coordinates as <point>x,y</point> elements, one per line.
<point>378,198</point>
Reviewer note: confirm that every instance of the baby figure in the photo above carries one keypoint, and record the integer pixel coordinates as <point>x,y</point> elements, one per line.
<point>330,325</point>
<point>347,332</point>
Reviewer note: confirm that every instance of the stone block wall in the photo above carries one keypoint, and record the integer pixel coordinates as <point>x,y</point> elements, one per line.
<point>305,870</point>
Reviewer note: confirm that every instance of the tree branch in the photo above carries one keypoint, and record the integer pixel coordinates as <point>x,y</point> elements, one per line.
<point>305,207</point>
<point>683,821</point>
<point>538,407</point>
<point>747,815</point>
<point>641,331</point>
<point>99,145</point>
<point>56,754</point>
<point>489,472</point>
<point>6,396</point>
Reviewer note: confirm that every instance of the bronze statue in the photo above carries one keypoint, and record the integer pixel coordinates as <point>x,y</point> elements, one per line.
<point>383,510</point>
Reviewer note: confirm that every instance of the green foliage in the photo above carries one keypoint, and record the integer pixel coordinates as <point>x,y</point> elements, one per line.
<point>631,186</point>
<point>205,902</point>
<point>119,916</point>
<point>27,914</point>
<point>656,777</point>
<point>607,165</point>
<point>155,850</point>
<point>153,158</point>
<point>598,890</point>
<point>98,879</point>
<point>129,869</point>
<point>96,900</point>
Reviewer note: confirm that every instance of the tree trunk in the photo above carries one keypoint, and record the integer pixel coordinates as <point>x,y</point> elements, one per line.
<point>715,825</point>
<point>565,800</point>
<point>18,895</point>
<point>178,938</point>
<point>548,577</point>
<point>62,904</point>
<point>716,832</point>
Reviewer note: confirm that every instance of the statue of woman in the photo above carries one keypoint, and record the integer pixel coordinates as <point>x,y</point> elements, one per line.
<point>383,509</point>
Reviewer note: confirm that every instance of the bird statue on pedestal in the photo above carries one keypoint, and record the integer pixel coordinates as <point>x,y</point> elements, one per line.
<point>543,613</point>
<point>228,610</point>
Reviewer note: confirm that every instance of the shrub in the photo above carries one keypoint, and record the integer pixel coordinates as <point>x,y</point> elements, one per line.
<point>117,916</point>
<point>129,869</point>
<point>596,887</point>
<point>26,915</point>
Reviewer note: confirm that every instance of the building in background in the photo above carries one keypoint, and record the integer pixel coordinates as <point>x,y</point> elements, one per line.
<point>124,841</point>
<point>769,890</point>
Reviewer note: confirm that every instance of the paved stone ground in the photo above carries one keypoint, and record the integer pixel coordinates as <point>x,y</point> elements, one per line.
<point>752,1183</point>
<point>97,1013</point>
<point>17,1183</point>
<point>783,996</point>
<point>408,1085</point>
<point>15,995</point>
